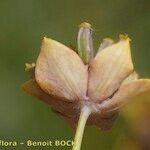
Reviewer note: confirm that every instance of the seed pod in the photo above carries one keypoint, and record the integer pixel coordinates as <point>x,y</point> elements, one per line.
<point>85,43</point>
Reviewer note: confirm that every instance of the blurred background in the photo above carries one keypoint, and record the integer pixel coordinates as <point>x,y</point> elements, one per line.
<point>23,23</point>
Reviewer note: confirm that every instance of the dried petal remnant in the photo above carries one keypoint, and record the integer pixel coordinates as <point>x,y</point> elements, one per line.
<point>29,67</point>
<point>85,43</point>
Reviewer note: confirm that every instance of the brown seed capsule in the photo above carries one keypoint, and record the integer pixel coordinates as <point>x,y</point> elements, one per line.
<point>61,74</point>
<point>70,84</point>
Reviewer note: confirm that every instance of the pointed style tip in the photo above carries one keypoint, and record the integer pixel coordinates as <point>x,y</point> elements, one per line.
<point>85,25</point>
<point>47,42</point>
<point>45,39</point>
<point>124,36</point>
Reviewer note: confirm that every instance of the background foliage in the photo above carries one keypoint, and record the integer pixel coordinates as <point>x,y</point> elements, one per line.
<point>23,23</point>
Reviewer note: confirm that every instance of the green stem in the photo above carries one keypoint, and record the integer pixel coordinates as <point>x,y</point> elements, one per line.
<point>85,112</point>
